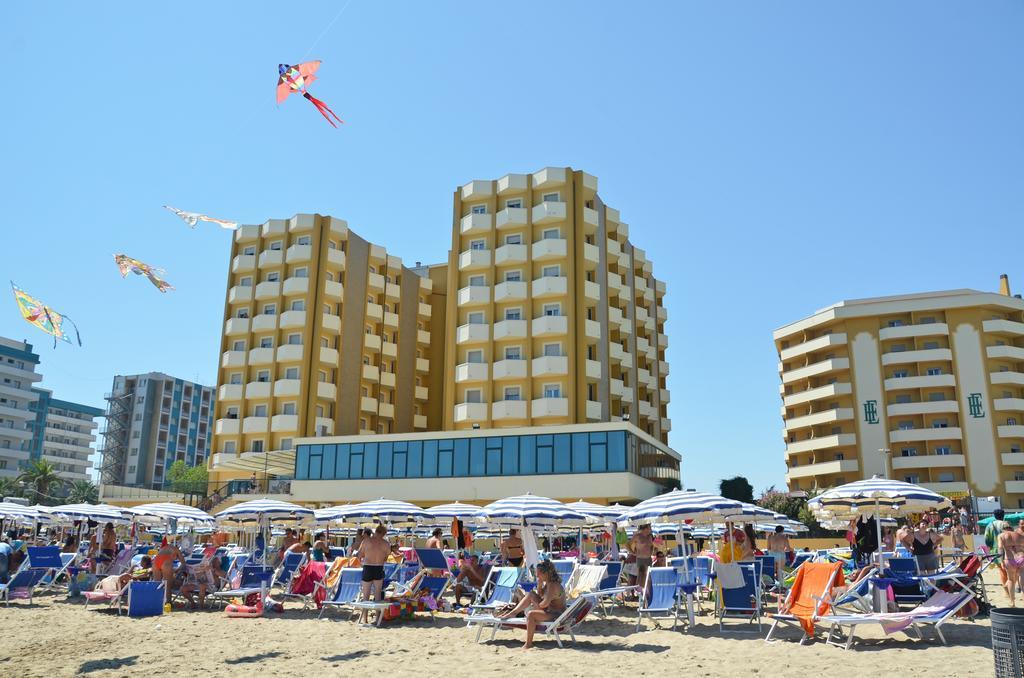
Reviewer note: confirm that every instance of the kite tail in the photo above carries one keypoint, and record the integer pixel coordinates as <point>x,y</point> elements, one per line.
<point>323,108</point>
<point>77,335</point>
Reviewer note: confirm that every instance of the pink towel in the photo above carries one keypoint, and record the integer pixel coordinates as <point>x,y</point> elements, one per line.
<point>939,602</point>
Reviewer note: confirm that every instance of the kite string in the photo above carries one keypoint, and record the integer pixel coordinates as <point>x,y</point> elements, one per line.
<point>327,28</point>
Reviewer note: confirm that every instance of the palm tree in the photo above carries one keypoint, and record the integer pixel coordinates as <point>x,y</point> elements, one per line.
<point>9,487</point>
<point>41,476</point>
<point>83,492</point>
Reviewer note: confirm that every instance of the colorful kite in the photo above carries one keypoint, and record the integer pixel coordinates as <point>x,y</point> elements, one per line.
<point>193,218</point>
<point>129,265</point>
<point>44,317</point>
<point>297,79</point>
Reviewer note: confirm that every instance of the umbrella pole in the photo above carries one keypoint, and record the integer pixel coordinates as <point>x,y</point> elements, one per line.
<point>686,569</point>
<point>879,592</point>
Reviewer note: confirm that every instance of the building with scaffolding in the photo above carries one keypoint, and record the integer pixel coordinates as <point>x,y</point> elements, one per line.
<point>153,420</point>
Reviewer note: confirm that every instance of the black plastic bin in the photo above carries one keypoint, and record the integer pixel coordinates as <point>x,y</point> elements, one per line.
<point>1008,641</point>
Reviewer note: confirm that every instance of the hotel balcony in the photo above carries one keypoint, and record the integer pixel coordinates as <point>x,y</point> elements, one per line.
<point>329,355</point>
<point>387,379</point>
<point>510,290</point>
<point>422,336</point>
<point>613,247</point>
<point>510,217</point>
<point>468,372</point>
<point>926,407</point>
<point>818,344</point>
<point>549,248</point>
<point>1012,459</point>
<point>666,424</point>
<point>616,387</point>
<point>424,310</point>
<point>953,487</point>
<point>615,316</point>
<point>659,288</point>
<point>374,311</point>
<point>472,260</point>
<point>273,227</point>
<point>261,356</point>
<point>301,223</point>
<point>646,409</point>
<point>911,331</point>
<point>474,333</point>
<point>292,319</point>
<point>389,349</point>
<point>591,219</point>
<point>284,423</point>
<point>915,434</point>
<point>616,352</point>
<point>229,392</point>
<point>371,343</point>
<point>513,183</point>
<point>422,365</point>
<point>227,427</point>
<point>509,329</point>
<point>1013,378</point>
<point>324,426</point>
<point>1010,327</point>
<point>548,213</point>
<point>642,344</point>
<point>542,408</point>
<point>334,290</point>
<point>593,410</point>
<point>929,461</point>
<point>295,285</point>
<point>243,263</point>
<point>474,295</point>
<point>477,190</point>
<point>386,410</point>
<point>1015,353</point>
<point>508,409</point>
<point>264,322</point>
<point>368,404</point>
<point>289,353</point>
<point>592,329</point>
<point>330,323</point>
<point>268,290</point>
<point>470,412</point>
<point>1009,404</point>
<point>818,418</point>
<point>249,233</point>
<point>662,314</point>
<point>549,365</point>
<point>255,424</point>
<point>927,381</point>
<point>271,258</point>
<point>922,356</point>
<point>475,224</point>
<point>550,326</point>
<point>627,395</point>
<point>822,443</point>
<point>236,326</point>
<point>391,319</point>
<point>336,258</point>
<point>256,390</point>
<point>326,391</point>
<point>510,254</point>
<point>419,421</point>
<point>240,294</point>
<point>591,290</point>
<point>509,369</point>
<point>287,387</point>
<point>548,177</point>
<point>298,254</point>
<point>823,468</point>
<point>375,282</point>
<point>614,284</point>
<point>370,373</point>
<point>1010,431</point>
<point>815,369</point>
<point>550,286</point>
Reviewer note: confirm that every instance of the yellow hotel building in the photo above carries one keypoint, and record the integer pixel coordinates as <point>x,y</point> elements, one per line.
<point>926,388</point>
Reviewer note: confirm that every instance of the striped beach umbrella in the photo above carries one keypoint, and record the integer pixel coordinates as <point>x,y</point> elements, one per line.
<point>101,513</point>
<point>610,512</point>
<point>881,497</point>
<point>184,515</point>
<point>531,510</point>
<point>678,506</point>
<point>446,512</point>
<point>383,510</point>
<point>264,510</point>
<point>17,512</point>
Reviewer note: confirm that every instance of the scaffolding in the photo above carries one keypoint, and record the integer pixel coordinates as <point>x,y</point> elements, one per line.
<point>115,438</point>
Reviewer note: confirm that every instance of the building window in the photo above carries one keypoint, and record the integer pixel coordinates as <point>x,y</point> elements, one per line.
<point>478,209</point>
<point>473,395</point>
<point>552,391</point>
<point>553,349</point>
<point>906,426</point>
<point>943,450</point>
<point>477,281</point>
<point>259,411</point>
<point>514,239</point>
<point>551,271</point>
<point>512,353</point>
<point>908,452</point>
<point>304,240</point>
<point>552,197</point>
<point>288,408</point>
<point>301,272</point>
<point>478,244</point>
<point>298,305</point>
<point>899,374</point>
<point>245,281</point>
<point>913,478</point>
<point>269,309</point>
<point>286,443</point>
<point>513,313</point>
<point>475,356</point>
<point>229,447</point>
<point>946,477</point>
<point>551,234</point>
<point>901,399</point>
<point>514,203</point>
<point>513,276</point>
<point>934,371</point>
<point>251,249</point>
<point>238,345</point>
<point>553,309</point>
<point>266,342</point>
<point>295,339</point>
<point>895,323</point>
<point>930,345</point>
<point>257,446</point>
<point>475,318</point>
<point>273,277</point>
<point>940,423</point>
<point>511,393</point>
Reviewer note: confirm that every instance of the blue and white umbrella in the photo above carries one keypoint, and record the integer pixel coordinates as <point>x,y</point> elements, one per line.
<point>18,513</point>
<point>383,510</point>
<point>447,512</point>
<point>264,510</point>
<point>611,512</point>
<point>101,513</point>
<point>751,513</point>
<point>164,512</point>
<point>531,510</point>
<point>876,496</point>
<point>678,506</point>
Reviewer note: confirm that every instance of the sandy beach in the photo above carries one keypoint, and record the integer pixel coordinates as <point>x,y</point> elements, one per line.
<point>57,637</point>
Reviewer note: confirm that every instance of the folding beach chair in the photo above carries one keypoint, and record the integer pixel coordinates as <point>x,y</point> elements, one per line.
<point>290,564</point>
<point>573,615</point>
<point>808,599</point>
<point>859,597</point>
<point>906,588</point>
<point>145,598</point>
<point>252,579</point>
<point>660,594</point>
<point>108,590</point>
<point>743,602</point>
<point>938,609</point>
<point>347,590</point>
<point>21,585</point>
<point>498,590</point>
<point>564,568</point>
<point>801,558</point>
<point>586,580</point>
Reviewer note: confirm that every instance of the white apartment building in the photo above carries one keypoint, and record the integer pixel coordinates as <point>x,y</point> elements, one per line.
<point>17,375</point>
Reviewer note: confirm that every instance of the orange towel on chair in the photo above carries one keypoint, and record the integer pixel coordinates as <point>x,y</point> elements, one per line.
<point>812,580</point>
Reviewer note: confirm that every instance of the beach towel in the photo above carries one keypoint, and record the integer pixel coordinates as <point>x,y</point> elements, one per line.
<point>811,580</point>
<point>307,577</point>
<point>729,575</point>
<point>897,621</point>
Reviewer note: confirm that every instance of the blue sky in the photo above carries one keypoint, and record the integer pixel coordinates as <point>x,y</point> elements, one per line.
<point>772,158</point>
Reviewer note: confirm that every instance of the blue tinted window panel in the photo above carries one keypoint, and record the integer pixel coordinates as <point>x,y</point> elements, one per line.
<point>430,467</point>
<point>302,463</point>
<point>341,462</point>
<point>444,463</point>
<point>355,465</point>
<point>414,462</point>
<point>315,463</point>
<point>370,460</point>
<point>545,458</point>
<point>510,456</point>
<point>398,463</point>
<point>477,460</point>
<point>598,457</point>
<point>617,451</point>
<point>461,458</point>
<point>580,453</point>
<point>527,455</point>
<point>327,470</point>
<point>384,460</point>
<point>563,454</point>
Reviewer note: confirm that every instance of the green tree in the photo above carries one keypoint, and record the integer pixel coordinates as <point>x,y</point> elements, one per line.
<point>793,507</point>
<point>9,487</point>
<point>41,477</point>
<point>187,479</point>
<point>83,492</point>
<point>738,488</point>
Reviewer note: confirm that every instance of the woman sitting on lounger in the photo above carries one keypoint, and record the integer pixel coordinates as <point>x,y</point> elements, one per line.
<point>542,604</point>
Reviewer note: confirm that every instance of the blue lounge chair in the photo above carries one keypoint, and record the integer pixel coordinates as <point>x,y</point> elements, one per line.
<point>347,590</point>
<point>743,602</point>
<point>499,589</point>
<point>145,598</point>
<point>252,579</point>
<point>22,584</point>
<point>801,558</point>
<point>564,568</point>
<point>290,564</point>
<point>660,595</point>
<point>908,591</point>
<point>858,597</point>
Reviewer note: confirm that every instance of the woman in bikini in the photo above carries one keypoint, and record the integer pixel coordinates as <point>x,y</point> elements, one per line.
<point>1011,548</point>
<point>542,604</point>
<point>512,551</point>
<point>163,567</point>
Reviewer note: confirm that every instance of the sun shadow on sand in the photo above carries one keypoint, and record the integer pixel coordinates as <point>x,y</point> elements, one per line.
<point>254,658</point>
<point>580,645</point>
<point>107,664</point>
<point>358,654</point>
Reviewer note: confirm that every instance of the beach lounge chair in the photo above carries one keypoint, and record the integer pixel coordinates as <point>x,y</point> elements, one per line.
<point>52,579</point>
<point>801,558</point>
<point>743,602</point>
<point>564,568</point>
<point>252,579</point>
<point>586,579</point>
<point>499,589</point>
<point>108,590</point>
<point>659,595</point>
<point>938,609</point>
<point>22,585</point>
<point>808,598</point>
<point>290,564</point>
<point>909,590</point>
<point>858,597</point>
<point>346,591</point>
<point>145,598</point>
<point>573,615</point>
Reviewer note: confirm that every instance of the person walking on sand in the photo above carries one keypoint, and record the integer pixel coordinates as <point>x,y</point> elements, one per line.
<point>778,546</point>
<point>642,546</point>
<point>1011,551</point>
<point>434,542</point>
<point>373,553</point>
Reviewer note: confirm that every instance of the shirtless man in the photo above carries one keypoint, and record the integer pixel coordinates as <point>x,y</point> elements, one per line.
<point>471,574</point>
<point>642,546</point>
<point>778,546</point>
<point>1011,550</point>
<point>512,549</point>
<point>434,542</point>
<point>373,552</point>
<point>290,538</point>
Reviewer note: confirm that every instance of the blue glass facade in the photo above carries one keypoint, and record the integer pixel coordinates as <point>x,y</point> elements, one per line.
<point>482,455</point>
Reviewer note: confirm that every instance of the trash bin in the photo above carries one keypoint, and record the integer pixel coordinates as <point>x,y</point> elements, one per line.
<point>1008,641</point>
